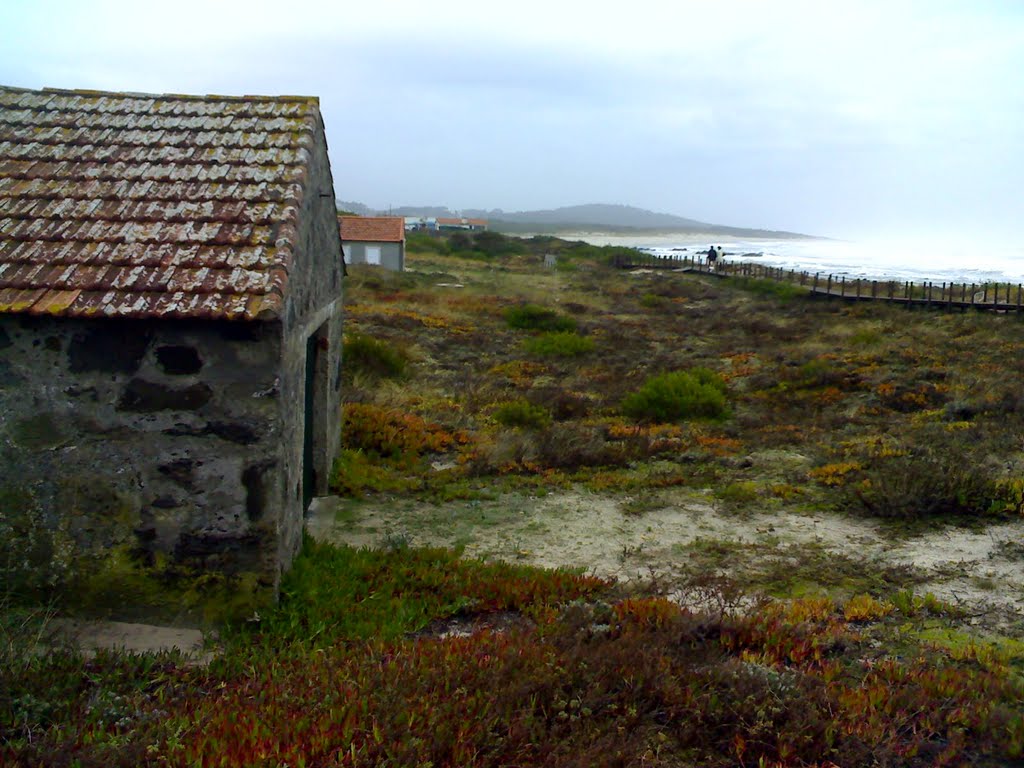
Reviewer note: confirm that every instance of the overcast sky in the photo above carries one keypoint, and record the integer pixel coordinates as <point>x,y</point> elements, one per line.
<point>846,119</point>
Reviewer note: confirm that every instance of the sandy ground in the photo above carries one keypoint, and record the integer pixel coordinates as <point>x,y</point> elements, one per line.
<point>982,571</point>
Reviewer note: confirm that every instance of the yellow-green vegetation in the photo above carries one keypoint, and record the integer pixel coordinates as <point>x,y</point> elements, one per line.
<point>521,413</point>
<point>531,317</point>
<point>558,344</point>
<point>785,654</point>
<point>373,357</point>
<point>904,414</point>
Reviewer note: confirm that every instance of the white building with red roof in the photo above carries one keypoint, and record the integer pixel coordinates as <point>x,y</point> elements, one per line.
<point>375,240</point>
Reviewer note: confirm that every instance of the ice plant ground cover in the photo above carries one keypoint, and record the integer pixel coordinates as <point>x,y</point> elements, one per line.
<point>753,654</point>
<point>352,669</point>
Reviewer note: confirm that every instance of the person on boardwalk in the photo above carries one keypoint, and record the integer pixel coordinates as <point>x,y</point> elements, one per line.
<point>712,256</point>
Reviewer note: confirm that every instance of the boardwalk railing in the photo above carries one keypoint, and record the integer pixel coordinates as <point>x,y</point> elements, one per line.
<point>1003,297</point>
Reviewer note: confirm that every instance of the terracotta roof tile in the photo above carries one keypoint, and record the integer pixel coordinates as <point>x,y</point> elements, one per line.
<point>372,229</point>
<point>150,206</point>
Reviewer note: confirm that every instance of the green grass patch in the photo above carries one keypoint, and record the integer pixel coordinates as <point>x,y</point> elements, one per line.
<point>521,413</point>
<point>559,344</point>
<point>531,317</point>
<point>339,593</point>
<point>373,357</point>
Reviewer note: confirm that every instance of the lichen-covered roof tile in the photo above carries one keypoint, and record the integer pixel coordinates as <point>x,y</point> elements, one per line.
<point>150,206</point>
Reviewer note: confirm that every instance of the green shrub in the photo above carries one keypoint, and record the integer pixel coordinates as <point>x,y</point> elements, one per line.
<point>679,396</point>
<point>520,413</point>
<point>530,317</point>
<point>365,354</point>
<point>559,344</point>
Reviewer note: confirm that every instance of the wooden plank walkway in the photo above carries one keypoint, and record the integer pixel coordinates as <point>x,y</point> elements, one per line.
<point>990,297</point>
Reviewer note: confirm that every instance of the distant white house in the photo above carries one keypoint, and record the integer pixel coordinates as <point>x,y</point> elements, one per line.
<point>432,224</point>
<point>420,223</point>
<point>462,223</point>
<point>376,240</point>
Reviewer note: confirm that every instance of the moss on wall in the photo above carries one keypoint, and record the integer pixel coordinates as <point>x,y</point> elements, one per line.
<point>118,586</point>
<point>39,432</point>
<point>109,579</point>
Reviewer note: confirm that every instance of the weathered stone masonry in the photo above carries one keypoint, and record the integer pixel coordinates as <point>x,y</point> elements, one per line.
<point>158,436</point>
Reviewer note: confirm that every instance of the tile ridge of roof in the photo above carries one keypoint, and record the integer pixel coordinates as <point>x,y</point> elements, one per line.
<point>287,233</point>
<point>176,96</point>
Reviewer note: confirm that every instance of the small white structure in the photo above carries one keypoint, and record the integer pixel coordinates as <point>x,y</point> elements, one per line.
<point>378,240</point>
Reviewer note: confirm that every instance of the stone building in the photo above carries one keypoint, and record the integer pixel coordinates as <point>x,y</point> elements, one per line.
<point>170,333</point>
<point>374,240</point>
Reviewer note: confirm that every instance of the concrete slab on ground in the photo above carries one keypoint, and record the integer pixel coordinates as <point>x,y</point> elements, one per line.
<point>321,516</point>
<point>92,636</point>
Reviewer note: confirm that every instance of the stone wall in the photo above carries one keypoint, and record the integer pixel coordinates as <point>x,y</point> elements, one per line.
<point>154,440</point>
<point>313,309</point>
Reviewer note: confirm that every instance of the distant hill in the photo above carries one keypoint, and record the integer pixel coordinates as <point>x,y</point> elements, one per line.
<point>594,214</point>
<point>595,217</point>
<point>353,207</point>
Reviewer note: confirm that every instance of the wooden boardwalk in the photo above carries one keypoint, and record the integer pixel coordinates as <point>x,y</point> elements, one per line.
<point>991,297</point>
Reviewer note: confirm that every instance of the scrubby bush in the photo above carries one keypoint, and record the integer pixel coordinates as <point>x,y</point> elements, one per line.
<point>559,344</point>
<point>925,482</point>
<point>772,288</point>
<point>530,317</point>
<point>376,357</point>
<point>520,413</point>
<point>679,396</point>
<point>572,446</point>
<point>425,242</point>
<point>562,446</point>
<point>496,244</point>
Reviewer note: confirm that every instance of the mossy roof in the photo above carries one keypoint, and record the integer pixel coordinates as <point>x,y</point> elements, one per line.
<point>135,205</point>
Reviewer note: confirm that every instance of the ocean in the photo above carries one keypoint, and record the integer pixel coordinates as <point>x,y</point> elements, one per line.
<point>914,260</point>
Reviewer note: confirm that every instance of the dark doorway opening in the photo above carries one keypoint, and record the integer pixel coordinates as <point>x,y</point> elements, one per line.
<point>308,455</point>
